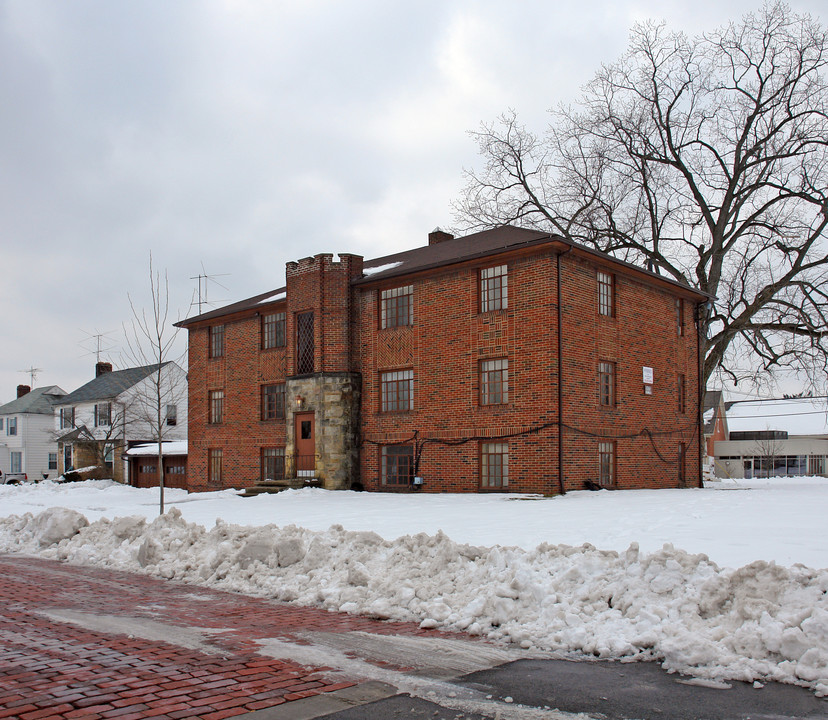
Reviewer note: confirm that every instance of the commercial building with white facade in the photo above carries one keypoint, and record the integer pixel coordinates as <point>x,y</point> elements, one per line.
<point>774,438</point>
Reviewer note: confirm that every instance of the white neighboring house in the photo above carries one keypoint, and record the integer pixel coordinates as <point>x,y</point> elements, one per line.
<point>27,440</point>
<point>97,423</point>
<point>774,438</point>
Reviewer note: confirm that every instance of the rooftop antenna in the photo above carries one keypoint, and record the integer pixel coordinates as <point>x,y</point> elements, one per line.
<point>202,287</point>
<point>33,373</point>
<point>98,337</point>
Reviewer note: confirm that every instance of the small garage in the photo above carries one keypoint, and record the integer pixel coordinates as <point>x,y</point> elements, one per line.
<point>143,465</point>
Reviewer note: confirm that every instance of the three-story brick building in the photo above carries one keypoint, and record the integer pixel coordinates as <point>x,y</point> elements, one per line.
<point>509,359</point>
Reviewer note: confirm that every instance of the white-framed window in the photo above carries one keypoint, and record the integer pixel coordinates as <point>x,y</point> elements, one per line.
<point>16,459</point>
<point>53,457</point>
<point>11,426</point>
<point>172,414</point>
<point>67,418</point>
<point>103,414</point>
<point>494,288</point>
<point>109,454</point>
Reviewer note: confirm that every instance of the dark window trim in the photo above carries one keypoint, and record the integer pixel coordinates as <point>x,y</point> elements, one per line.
<point>484,465</point>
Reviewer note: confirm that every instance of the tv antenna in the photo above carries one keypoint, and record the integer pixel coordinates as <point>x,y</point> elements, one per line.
<point>33,372</point>
<point>203,281</point>
<point>98,337</point>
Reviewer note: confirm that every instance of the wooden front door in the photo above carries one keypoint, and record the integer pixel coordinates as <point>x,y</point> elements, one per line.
<point>305,443</point>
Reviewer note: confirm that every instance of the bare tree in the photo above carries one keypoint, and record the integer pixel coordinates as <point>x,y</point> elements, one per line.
<point>151,341</point>
<point>705,159</point>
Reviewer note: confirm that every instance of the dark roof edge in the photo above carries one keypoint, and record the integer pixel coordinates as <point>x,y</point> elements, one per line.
<point>238,306</point>
<point>546,239</point>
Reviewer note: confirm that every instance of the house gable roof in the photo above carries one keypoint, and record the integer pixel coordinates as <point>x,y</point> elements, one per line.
<point>506,238</point>
<point>39,401</point>
<point>109,385</point>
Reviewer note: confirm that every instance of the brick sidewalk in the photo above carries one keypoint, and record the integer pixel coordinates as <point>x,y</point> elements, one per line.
<point>51,669</point>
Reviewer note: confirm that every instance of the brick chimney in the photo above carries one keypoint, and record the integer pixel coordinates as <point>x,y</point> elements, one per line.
<point>102,368</point>
<point>23,390</point>
<point>438,236</point>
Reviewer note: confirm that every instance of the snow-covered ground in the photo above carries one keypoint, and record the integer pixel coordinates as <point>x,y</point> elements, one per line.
<point>726,582</point>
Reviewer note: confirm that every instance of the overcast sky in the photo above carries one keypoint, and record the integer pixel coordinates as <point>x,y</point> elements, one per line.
<point>231,137</point>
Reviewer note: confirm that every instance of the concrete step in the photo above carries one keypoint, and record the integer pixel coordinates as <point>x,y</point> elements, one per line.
<point>275,486</point>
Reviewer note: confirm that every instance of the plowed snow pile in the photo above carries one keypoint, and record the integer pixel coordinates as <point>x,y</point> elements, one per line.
<point>758,622</point>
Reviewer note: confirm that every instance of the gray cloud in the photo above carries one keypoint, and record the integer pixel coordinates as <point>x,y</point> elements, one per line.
<point>235,135</point>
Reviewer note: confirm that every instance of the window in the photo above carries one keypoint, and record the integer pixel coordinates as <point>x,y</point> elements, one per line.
<point>816,465</point>
<point>1,423</point>
<point>606,383</point>
<point>217,341</point>
<point>494,289</point>
<point>103,414</point>
<point>494,465</point>
<point>606,294</point>
<point>109,455</point>
<point>67,457</point>
<point>305,347</point>
<point>679,317</point>
<point>216,406</point>
<point>11,426</point>
<point>397,389</point>
<point>606,464</point>
<point>147,469</point>
<point>397,465</point>
<point>215,469</point>
<point>273,401</point>
<point>494,382</point>
<point>273,463</point>
<point>67,418</point>
<point>682,394</point>
<point>682,453</point>
<point>397,307</point>
<point>172,414</point>
<point>16,462</point>
<point>273,331</point>
<point>52,461</point>
<point>176,470</point>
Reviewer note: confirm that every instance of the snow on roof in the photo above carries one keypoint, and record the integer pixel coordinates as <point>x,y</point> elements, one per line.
<point>273,298</point>
<point>796,416</point>
<point>380,268</point>
<point>177,447</point>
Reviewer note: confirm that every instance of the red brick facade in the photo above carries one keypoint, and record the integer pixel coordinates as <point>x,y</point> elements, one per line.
<point>476,395</point>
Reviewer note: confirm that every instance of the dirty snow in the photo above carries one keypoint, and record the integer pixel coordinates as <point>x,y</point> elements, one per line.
<point>509,568</point>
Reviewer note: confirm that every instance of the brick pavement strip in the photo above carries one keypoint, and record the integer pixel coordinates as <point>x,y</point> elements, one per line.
<point>53,669</point>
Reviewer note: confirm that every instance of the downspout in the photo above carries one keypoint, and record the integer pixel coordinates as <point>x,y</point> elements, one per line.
<point>560,376</point>
<point>700,400</point>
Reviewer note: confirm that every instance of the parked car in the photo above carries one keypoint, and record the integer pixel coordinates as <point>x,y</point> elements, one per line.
<point>11,478</point>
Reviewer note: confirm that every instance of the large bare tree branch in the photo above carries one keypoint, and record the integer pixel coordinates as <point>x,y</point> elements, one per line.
<point>705,157</point>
